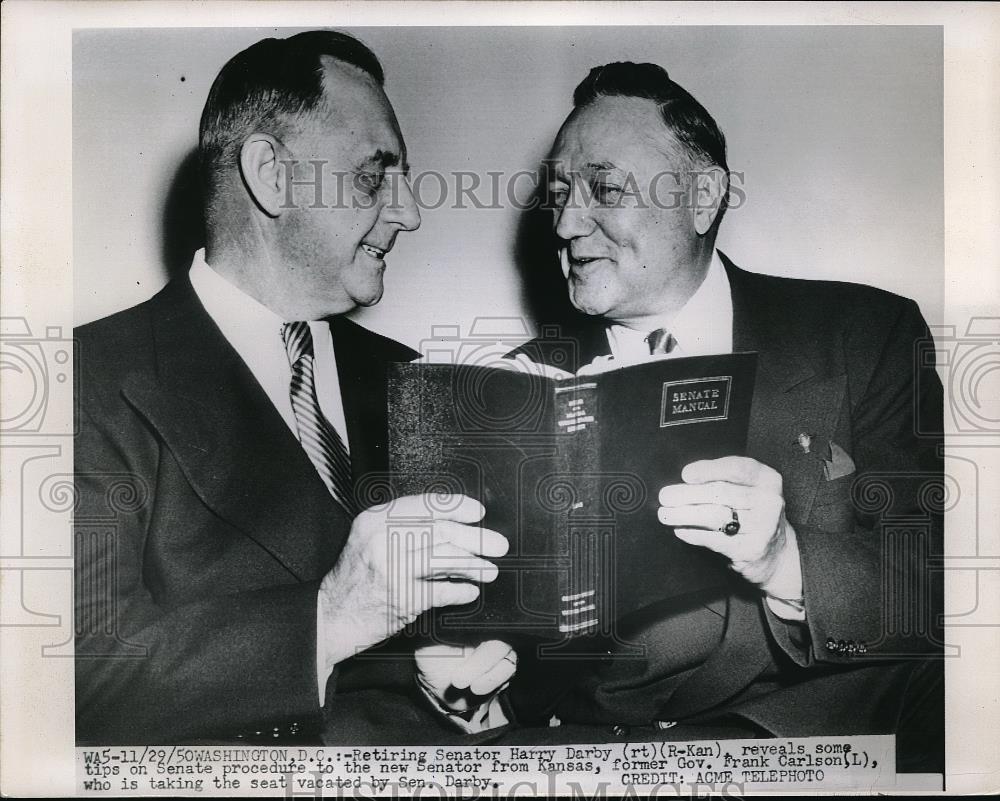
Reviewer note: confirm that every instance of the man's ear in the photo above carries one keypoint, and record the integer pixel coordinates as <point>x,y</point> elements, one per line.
<point>711,185</point>
<point>262,172</point>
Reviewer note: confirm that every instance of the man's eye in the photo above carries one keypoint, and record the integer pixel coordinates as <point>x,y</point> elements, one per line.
<point>371,181</point>
<point>607,193</point>
<point>559,195</point>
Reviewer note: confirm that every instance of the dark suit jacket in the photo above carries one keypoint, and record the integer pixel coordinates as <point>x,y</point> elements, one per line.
<point>203,530</point>
<point>839,362</point>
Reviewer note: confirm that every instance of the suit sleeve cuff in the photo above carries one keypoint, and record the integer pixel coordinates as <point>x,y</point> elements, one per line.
<point>784,602</point>
<point>791,610</point>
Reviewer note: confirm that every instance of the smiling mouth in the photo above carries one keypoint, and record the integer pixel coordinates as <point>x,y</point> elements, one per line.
<point>582,262</point>
<point>374,252</point>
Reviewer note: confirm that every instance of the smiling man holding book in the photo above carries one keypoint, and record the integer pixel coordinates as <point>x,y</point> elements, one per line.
<point>244,590</point>
<point>828,623</point>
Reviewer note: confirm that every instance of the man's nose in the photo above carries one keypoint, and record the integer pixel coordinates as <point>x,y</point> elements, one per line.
<point>403,209</point>
<point>573,219</point>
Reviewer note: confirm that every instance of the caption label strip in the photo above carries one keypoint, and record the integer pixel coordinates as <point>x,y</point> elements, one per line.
<point>729,767</point>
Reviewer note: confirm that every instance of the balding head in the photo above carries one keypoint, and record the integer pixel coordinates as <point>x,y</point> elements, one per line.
<point>274,86</point>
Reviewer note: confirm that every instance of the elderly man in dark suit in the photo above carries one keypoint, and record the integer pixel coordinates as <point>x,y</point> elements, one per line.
<point>228,572</point>
<point>830,623</point>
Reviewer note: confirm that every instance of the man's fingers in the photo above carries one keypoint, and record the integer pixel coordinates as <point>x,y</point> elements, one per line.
<point>480,661</point>
<point>435,506</point>
<point>465,509</point>
<point>739,550</point>
<point>450,593</point>
<point>712,540</point>
<point>439,651</point>
<point>734,469</point>
<point>720,493</point>
<point>488,667</point>
<point>481,670</point>
<point>522,364</point>
<point>476,540</point>
<point>496,677</point>
<point>707,516</point>
<point>446,561</point>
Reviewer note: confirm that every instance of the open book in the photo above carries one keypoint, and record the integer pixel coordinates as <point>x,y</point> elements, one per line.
<point>569,470</point>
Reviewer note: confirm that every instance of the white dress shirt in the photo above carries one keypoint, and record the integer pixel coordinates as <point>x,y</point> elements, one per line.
<point>254,331</point>
<point>703,326</point>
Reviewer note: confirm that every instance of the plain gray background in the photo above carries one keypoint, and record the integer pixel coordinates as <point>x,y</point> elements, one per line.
<point>837,130</point>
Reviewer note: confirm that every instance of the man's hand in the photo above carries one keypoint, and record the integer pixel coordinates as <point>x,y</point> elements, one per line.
<point>401,559</point>
<point>765,551</point>
<point>463,678</point>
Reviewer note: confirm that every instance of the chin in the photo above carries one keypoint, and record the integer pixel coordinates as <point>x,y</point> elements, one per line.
<point>587,302</point>
<point>594,293</point>
<point>365,289</point>
<point>369,298</point>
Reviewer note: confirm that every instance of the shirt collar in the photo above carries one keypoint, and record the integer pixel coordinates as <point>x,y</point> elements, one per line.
<point>249,326</point>
<point>234,311</point>
<point>703,326</point>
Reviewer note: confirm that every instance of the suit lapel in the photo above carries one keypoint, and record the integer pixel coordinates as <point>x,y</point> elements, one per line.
<point>362,360</point>
<point>592,341</point>
<point>796,391</point>
<point>232,445</point>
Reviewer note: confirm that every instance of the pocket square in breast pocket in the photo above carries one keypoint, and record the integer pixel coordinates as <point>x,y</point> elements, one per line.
<point>839,464</point>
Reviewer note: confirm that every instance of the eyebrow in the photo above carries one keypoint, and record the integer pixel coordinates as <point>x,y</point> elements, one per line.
<point>588,168</point>
<point>384,159</point>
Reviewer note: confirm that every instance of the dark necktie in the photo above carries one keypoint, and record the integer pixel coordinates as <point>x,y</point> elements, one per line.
<point>660,341</point>
<point>322,443</point>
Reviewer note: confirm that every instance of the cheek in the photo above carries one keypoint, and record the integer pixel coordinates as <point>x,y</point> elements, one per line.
<point>304,237</point>
<point>628,232</point>
<point>635,259</point>
<point>363,213</point>
<point>599,291</point>
<point>656,239</point>
<point>344,231</point>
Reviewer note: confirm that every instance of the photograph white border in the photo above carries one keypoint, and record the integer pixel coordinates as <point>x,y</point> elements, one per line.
<point>36,694</point>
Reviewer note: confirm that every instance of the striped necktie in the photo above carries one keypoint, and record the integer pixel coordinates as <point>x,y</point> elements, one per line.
<point>322,443</point>
<point>660,341</point>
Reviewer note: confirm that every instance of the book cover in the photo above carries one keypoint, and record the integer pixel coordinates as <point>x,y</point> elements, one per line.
<point>569,471</point>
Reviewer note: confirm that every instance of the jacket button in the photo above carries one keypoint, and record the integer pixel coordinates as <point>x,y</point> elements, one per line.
<point>831,644</point>
<point>841,646</point>
<point>619,731</point>
<point>862,648</point>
